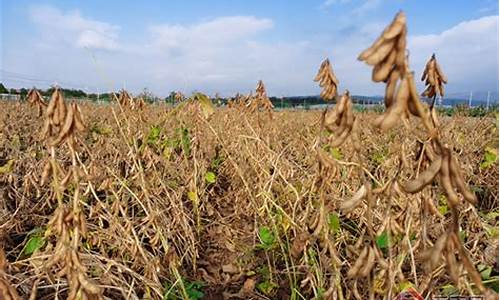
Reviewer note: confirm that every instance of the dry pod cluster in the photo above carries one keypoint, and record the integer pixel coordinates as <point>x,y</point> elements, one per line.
<point>260,100</point>
<point>388,56</point>
<point>441,161</point>
<point>434,79</point>
<point>61,121</point>
<point>388,53</point>
<point>450,175</point>
<point>7,291</point>
<point>340,121</point>
<point>35,98</point>
<point>327,80</point>
<point>179,97</point>
<point>239,101</point>
<point>73,122</point>
<point>448,246</point>
<point>55,114</point>
<point>124,98</point>
<point>365,261</point>
<point>68,225</point>
<point>138,103</point>
<point>401,103</point>
<point>57,132</point>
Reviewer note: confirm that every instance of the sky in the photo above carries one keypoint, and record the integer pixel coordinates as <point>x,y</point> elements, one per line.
<point>227,46</point>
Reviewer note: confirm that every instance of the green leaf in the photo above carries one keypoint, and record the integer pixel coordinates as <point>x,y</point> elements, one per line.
<point>210,177</point>
<point>449,290</point>
<point>443,209</point>
<point>334,223</point>
<point>192,196</point>
<point>379,157</point>
<point>185,141</point>
<point>492,231</point>
<point>153,135</point>
<point>34,243</point>
<point>485,271</point>
<point>492,283</point>
<point>7,168</point>
<point>216,162</point>
<point>101,130</point>
<point>266,287</point>
<point>336,153</point>
<point>443,204</point>
<point>404,285</point>
<point>462,235</point>
<point>167,153</point>
<point>207,107</point>
<point>492,215</point>
<point>383,240</point>
<point>490,157</point>
<point>193,290</point>
<point>266,237</point>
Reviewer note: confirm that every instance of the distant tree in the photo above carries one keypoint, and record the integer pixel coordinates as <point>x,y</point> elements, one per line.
<point>48,92</point>
<point>171,98</point>
<point>3,89</point>
<point>13,91</point>
<point>148,96</point>
<point>23,92</point>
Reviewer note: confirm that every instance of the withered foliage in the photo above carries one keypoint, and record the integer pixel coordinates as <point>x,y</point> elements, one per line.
<point>327,80</point>
<point>192,199</point>
<point>35,98</point>
<point>260,100</point>
<point>434,79</point>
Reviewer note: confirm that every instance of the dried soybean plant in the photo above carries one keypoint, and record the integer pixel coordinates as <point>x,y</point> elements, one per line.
<point>434,79</point>
<point>138,103</point>
<point>179,97</point>
<point>124,99</point>
<point>234,102</point>
<point>388,56</point>
<point>340,123</point>
<point>327,81</point>
<point>7,291</point>
<point>388,53</point>
<point>35,98</point>
<point>68,224</point>
<point>239,101</point>
<point>260,100</point>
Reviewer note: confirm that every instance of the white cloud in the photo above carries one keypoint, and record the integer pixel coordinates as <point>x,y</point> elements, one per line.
<point>328,3</point>
<point>219,30</point>
<point>230,54</point>
<point>367,6</point>
<point>59,27</point>
<point>468,53</point>
<point>213,52</point>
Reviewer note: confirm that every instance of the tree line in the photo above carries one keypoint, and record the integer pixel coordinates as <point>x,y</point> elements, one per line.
<point>278,102</point>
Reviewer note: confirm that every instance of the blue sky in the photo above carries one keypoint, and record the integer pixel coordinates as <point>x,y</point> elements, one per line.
<point>227,46</point>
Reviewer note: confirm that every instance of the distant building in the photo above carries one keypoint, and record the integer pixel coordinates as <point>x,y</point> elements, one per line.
<point>11,97</point>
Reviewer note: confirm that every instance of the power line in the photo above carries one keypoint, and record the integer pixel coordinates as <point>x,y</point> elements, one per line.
<point>19,77</point>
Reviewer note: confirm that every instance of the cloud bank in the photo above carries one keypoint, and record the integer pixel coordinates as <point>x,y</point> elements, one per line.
<point>231,53</point>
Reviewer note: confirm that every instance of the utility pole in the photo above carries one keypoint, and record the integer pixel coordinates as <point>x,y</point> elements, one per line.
<point>488,100</point>
<point>470,99</point>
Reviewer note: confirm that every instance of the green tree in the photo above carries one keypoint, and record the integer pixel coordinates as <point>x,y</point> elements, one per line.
<point>23,92</point>
<point>3,89</point>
